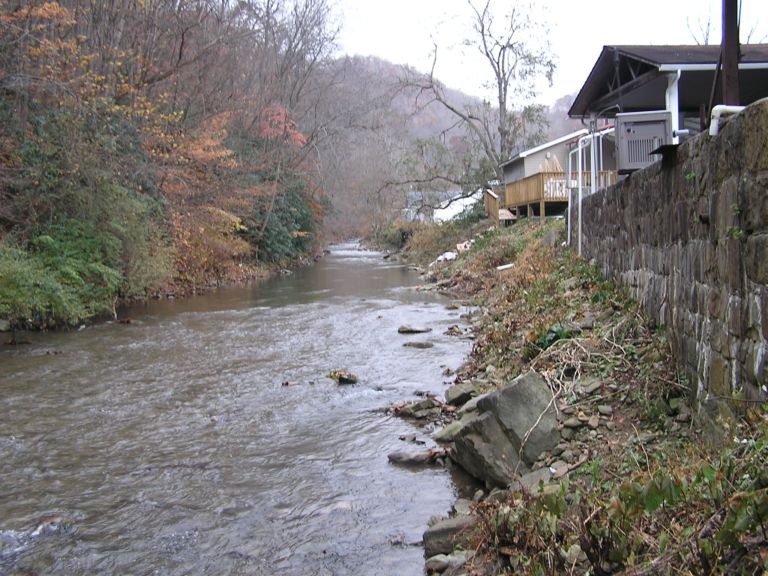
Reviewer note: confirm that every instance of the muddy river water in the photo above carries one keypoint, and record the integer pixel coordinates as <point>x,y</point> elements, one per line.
<point>171,446</point>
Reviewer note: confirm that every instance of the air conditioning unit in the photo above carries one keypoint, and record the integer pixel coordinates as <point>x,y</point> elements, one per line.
<point>637,135</point>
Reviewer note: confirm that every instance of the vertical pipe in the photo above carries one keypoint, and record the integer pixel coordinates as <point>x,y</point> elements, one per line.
<point>568,187</point>
<point>730,53</point>
<point>601,153</point>
<point>673,103</point>
<point>593,155</point>
<point>581,182</point>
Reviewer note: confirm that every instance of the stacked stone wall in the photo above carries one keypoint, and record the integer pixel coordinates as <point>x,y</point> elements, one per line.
<point>688,237</point>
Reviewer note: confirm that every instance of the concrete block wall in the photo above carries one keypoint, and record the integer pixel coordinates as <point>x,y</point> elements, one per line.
<point>688,237</point>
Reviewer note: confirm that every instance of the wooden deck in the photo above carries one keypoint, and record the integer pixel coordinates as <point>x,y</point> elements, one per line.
<point>534,192</point>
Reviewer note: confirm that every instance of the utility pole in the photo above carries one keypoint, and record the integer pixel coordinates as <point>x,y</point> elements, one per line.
<point>730,52</point>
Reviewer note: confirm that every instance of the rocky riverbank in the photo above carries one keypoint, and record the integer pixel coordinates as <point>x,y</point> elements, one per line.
<point>572,416</point>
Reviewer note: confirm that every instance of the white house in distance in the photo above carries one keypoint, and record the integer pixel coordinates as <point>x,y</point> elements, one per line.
<point>438,207</point>
<point>450,209</point>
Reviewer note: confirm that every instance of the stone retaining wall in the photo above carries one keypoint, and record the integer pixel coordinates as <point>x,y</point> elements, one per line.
<point>688,237</point>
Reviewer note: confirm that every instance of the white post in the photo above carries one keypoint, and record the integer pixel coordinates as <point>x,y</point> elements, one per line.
<point>593,154</point>
<point>568,187</point>
<point>581,185</point>
<point>673,103</point>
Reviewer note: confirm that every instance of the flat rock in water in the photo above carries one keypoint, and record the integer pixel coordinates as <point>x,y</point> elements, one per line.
<point>415,458</point>
<point>406,329</point>
<point>418,345</point>
<point>343,377</point>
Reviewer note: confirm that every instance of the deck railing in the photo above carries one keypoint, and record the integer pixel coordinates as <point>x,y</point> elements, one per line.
<point>549,186</point>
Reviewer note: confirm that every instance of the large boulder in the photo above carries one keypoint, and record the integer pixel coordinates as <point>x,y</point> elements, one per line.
<point>492,446</point>
<point>524,405</point>
<point>484,450</point>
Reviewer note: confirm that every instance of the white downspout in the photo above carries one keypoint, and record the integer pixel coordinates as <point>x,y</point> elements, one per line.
<point>582,143</point>
<point>672,98</point>
<point>593,155</point>
<point>570,180</point>
<point>568,187</point>
<point>600,155</point>
<point>717,112</point>
<point>581,181</point>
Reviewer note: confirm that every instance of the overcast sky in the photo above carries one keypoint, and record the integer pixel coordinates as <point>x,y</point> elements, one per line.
<point>404,32</point>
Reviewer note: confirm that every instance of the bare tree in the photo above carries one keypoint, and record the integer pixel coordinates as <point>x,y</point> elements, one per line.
<point>517,53</point>
<point>703,31</point>
<point>700,30</point>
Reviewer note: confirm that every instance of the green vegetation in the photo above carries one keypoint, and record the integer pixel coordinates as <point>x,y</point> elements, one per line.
<point>83,234</point>
<point>287,233</point>
<point>671,511</point>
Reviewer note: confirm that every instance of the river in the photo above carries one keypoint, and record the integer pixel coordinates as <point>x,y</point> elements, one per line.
<point>171,446</point>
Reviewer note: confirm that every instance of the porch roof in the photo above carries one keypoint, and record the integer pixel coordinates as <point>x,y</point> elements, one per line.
<point>634,78</point>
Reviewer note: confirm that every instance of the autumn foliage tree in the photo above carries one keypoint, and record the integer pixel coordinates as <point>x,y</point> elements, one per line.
<point>156,141</point>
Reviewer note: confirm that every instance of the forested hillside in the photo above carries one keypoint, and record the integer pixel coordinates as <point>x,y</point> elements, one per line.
<point>151,148</point>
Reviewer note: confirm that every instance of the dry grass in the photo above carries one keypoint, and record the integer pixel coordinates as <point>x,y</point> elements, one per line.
<point>649,496</point>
